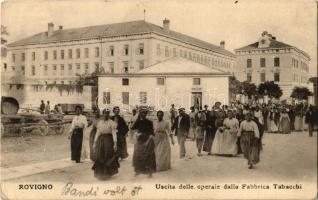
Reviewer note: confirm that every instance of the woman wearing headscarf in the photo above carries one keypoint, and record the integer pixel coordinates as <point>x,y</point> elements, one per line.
<point>105,146</point>
<point>249,140</point>
<point>144,160</point>
<point>162,145</point>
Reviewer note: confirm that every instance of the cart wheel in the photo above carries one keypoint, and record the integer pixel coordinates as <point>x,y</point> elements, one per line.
<point>60,130</point>
<point>42,128</point>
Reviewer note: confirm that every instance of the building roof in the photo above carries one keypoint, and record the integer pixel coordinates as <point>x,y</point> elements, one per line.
<point>274,44</point>
<point>117,29</point>
<point>176,66</point>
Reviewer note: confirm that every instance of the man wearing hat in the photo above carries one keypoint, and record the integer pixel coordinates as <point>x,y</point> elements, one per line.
<point>121,133</point>
<point>181,125</point>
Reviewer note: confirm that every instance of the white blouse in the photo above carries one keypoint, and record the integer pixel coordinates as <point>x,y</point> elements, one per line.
<point>79,121</point>
<point>106,127</point>
<point>248,126</point>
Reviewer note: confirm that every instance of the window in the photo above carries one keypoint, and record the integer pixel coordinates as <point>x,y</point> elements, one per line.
<point>45,70</point>
<point>62,70</point>
<point>111,67</point>
<point>33,56</point>
<point>158,50</point>
<point>70,69</point>
<point>160,81</point>
<point>181,53</point>
<point>249,77</point>
<point>46,55</point>
<point>141,64</point>
<point>78,67</point>
<point>5,66</point>
<point>86,52</point>
<point>166,51</point>
<point>70,53</point>
<point>86,67</point>
<point>141,49</point>
<point>106,97</point>
<point>190,55</point>
<point>126,50</point>
<point>62,54</point>
<point>262,62</point>
<point>263,77</point>
<point>78,53</point>
<point>125,81</point>
<point>249,63</point>
<point>13,57</point>
<point>143,97</point>
<point>54,54</point>
<point>33,70</point>
<point>23,57</point>
<point>54,70</point>
<point>13,68</point>
<point>196,81</point>
<point>276,62</point>
<point>174,52</point>
<point>96,52</point>
<point>185,54</point>
<point>125,97</point>
<point>111,51</point>
<point>23,69</point>
<point>125,67</point>
<point>276,77</point>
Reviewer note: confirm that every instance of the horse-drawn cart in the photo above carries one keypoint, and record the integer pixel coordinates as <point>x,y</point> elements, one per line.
<point>31,121</point>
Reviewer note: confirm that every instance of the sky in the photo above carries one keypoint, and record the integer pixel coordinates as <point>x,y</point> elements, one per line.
<point>291,21</point>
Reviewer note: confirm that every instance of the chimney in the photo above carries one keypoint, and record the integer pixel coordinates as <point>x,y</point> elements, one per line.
<point>60,27</point>
<point>222,44</point>
<point>166,24</point>
<point>50,29</point>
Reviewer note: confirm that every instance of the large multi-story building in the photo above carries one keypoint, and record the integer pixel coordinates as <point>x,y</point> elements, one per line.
<point>57,56</point>
<point>271,60</point>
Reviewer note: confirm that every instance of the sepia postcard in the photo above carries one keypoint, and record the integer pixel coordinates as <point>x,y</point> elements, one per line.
<point>141,99</point>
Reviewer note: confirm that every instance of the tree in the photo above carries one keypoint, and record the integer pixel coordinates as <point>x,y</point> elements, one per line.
<point>271,89</point>
<point>249,89</point>
<point>301,93</point>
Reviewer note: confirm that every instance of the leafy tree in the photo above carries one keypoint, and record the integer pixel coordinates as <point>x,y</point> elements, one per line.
<point>271,89</point>
<point>301,93</point>
<point>249,89</point>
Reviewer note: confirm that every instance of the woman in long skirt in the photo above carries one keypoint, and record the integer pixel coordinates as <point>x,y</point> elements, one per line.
<point>249,140</point>
<point>284,122</point>
<point>92,135</point>
<point>162,145</point>
<point>79,123</point>
<point>225,141</point>
<point>106,163</point>
<point>144,160</point>
<point>298,120</point>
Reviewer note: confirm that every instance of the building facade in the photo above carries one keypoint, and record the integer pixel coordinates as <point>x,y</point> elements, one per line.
<point>177,81</point>
<point>58,56</point>
<point>271,60</point>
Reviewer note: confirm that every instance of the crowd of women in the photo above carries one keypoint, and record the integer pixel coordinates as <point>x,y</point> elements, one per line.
<point>223,130</point>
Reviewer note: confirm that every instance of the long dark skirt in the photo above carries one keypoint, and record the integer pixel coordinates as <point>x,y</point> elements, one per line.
<point>91,142</point>
<point>250,147</point>
<point>106,163</point>
<point>144,160</point>
<point>208,140</point>
<point>76,144</point>
<point>122,146</point>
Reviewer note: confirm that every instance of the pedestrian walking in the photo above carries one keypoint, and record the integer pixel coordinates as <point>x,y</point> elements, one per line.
<point>105,146</point>
<point>311,119</point>
<point>249,140</point>
<point>181,127</point>
<point>162,144</point>
<point>209,132</point>
<point>200,120</point>
<point>192,114</point>
<point>122,130</point>
<point>284,122</point>
<point>79,123</point>
<point>144,160</point>
<point>131,134</point>
<point>42,107</point>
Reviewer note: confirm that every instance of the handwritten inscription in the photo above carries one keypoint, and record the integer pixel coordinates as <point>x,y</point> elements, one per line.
<point>70,190</point>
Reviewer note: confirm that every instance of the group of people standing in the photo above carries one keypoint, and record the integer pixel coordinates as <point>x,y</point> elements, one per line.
<point>223,130</point>
<point>218,132</point>
<point>46,108</point>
